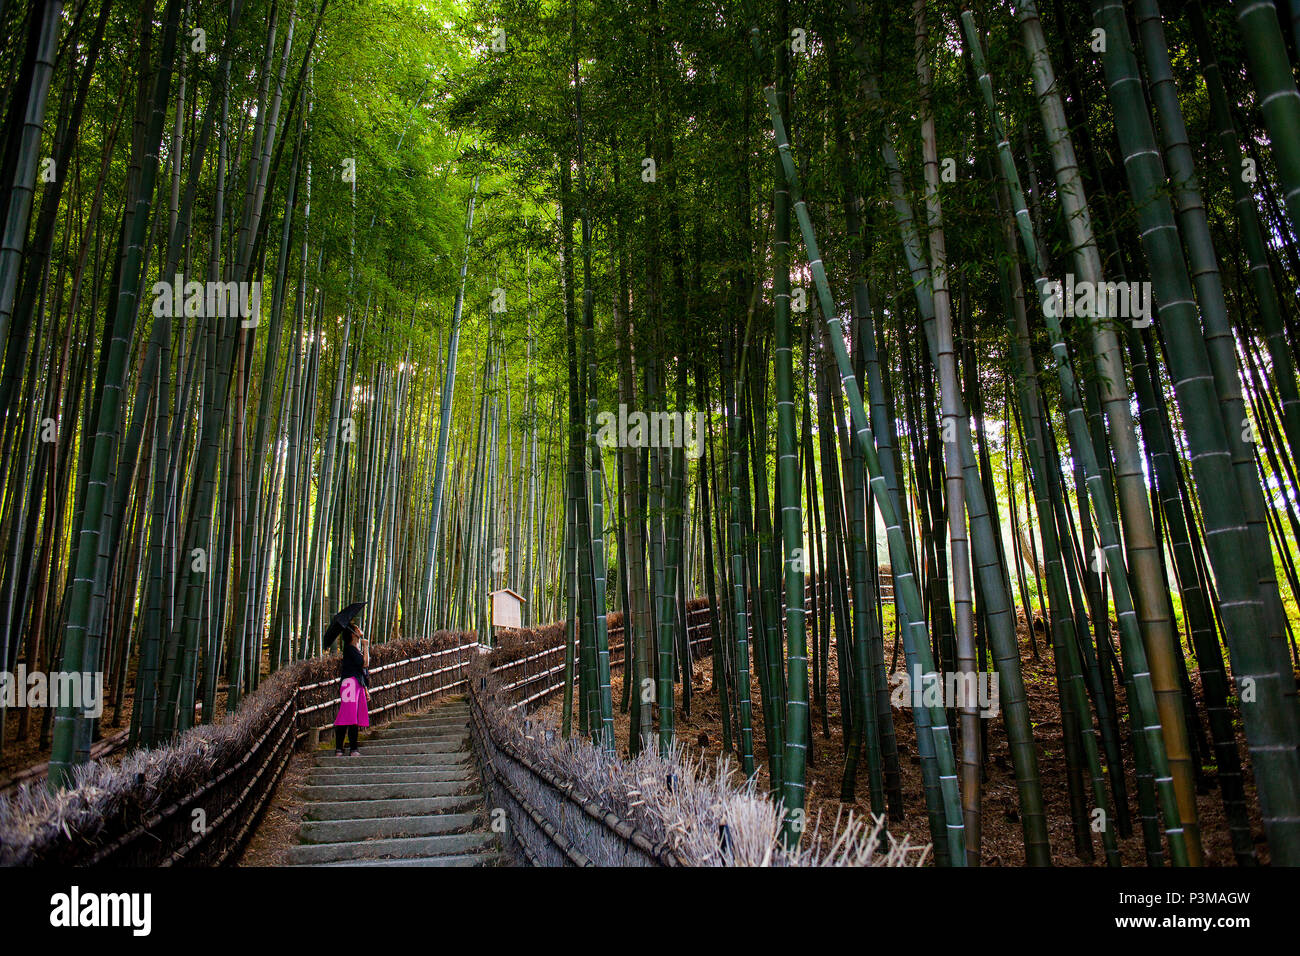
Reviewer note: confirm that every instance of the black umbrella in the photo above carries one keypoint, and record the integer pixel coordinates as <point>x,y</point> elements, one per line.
<point>340,623</point>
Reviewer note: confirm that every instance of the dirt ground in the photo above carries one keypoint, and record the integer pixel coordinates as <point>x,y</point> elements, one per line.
<point>23,751</point>
<point>278,828</point>
<point>1002,839</point>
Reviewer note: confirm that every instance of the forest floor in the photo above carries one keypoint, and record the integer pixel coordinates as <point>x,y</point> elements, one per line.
<point>700,731</point>
<point>277,831</point>
<point>21,752</point>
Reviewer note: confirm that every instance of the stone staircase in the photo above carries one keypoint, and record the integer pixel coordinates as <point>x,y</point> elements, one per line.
<point>411,797</point>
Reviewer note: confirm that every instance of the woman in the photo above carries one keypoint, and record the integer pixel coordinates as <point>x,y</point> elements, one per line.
<point>352,695</point>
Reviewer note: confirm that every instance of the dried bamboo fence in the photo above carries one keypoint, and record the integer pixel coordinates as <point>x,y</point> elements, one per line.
<point>549,821</point>
<point>531,667</point>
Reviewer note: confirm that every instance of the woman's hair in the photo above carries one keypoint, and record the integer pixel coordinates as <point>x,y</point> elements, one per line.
<point>354,633</point>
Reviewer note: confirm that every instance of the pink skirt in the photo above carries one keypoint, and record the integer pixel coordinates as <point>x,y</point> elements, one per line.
<point>352,705</point>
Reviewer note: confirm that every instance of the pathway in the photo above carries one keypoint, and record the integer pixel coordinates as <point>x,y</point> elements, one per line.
<point>411,797</point>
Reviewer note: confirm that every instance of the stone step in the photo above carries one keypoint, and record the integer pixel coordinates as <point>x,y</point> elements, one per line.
<point>371,828</point>
<point>409,806</point>
<point>445,707</point>
<point>416,735</point>
<point>489,858</point>
<point>384,791</point>
<point>341,776</point>
<point>428,726</point>
<point>441,723</point>
<point>434,743</point>
<point>443,844</point>
<point>447,746</point>
<point>427,761</point>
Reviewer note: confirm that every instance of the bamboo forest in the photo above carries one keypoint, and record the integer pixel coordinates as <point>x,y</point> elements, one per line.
<point>695,432</point>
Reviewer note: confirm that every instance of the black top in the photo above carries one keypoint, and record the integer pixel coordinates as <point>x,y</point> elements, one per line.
<point>352,665</point>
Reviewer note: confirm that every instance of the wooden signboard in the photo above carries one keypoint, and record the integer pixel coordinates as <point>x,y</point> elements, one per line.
<point>507,609</point>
